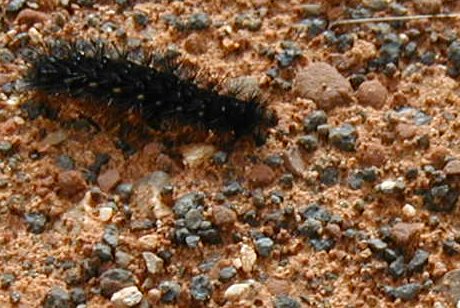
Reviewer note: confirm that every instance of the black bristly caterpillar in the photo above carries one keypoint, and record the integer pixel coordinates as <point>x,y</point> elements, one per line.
<point>157,94</point>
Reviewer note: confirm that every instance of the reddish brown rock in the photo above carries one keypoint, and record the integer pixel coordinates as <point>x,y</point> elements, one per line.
<point>195,44</point>
<point>294,162</point>
<point>428,6</point>
<point>108,179</point>
<point>323,84</point>
<point>405,233</point>
<point>438,155</point>
<point>452,167</point>
<point>278,286</point>
<point>372,93</point>
<point>406,131</point>
<point>372,154</point>
<point>261,175</point>
<point>222,215</point>
<point>30,17</point>
<point>71,183</point>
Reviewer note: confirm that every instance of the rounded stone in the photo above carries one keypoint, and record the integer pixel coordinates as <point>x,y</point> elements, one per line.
<point>372,93</point>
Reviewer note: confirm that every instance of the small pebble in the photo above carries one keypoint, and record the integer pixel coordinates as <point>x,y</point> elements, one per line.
<point>127,297</point>
<point>264,246</point>
<point>344,137</point>
<point>227,273</point>
<point>153,262</point>
<point>201,288</point>
<point>409,211</point>
<point>57,298</point>
<point>170,291</point>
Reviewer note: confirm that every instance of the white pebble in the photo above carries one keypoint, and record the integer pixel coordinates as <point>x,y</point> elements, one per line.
<point>409,211</point>
<point>127,297</point>
<point>105,213</point>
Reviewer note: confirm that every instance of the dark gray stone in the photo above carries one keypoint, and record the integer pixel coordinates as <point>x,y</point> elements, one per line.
<point>377,245</point>
<point>405,292</point>
<point>78,296</point>
<point>310,228</point>
<point>418,261</point>
<point>227,273</point>
<point>170,291</point>
<point>187,202</point>
<point>15,5</point>
<point>343,137</point>
<point>193,219</point>
<point>110,235</point>
<point>285,302</point>
<point>114,280</point>
<point>36,222</point>
<point>397,268</point>
<point>57,298</point>
<point>201,288</point>
<point>264,246</point>
<point>309,143</point>
<point>103,252</point>
<point>322,244</point>
<point>232,189</point>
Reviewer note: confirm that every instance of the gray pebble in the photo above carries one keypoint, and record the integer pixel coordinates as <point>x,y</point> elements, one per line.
<point>110,235</point>
<point>36,222</point>
<point>397,268</point>
<point>15,5</point>
<point>322,244</point>
<point>6,56</point>
<point>220,158</point>
<point>377,245</point>
<point>198,21</point>
<point>310,228</point>
<point>317,212</point>
<point>284,301</point>
<point>210,236</point>
<point>227,273</point>
<point>187,202</point>
<point>329,176</point>
<point>5,147</point>
<point>193,219</point>
<point>124,190</point>
<point>57,298</point>
<point>6,280</point>
<point>248,21</point>
<point>103,252</point>
<point>170,291</point>
<point>264,246</point>
<point>232,189</point>
<point>78,296</point>
<point>418,261</point>
<point>65,162</point>
<point>405,292</point>
<point>201,288</point>
<point>309,143</point>
<point>115,279</point>
<point>192,241</point>
<point>343,137</point>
